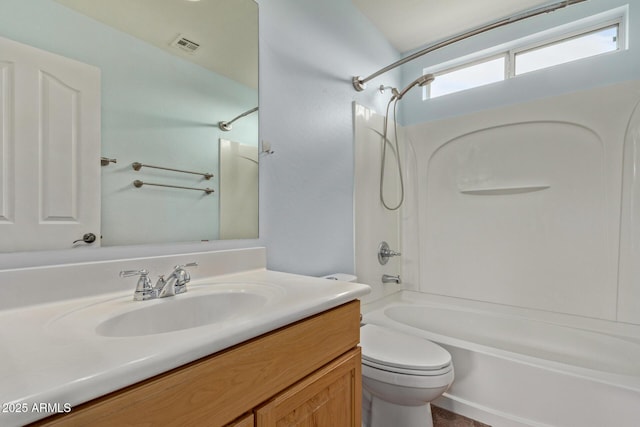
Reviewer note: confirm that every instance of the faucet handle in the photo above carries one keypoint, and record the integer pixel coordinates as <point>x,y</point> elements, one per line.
<point>144,289</point>
<point>190,264</point>
<point>182,269</point>
<point>182,277</point>
<point>129,273</point>
<point>385,252</point>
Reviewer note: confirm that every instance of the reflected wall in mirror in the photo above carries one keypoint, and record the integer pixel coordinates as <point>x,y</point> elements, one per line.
<point>171,70</point>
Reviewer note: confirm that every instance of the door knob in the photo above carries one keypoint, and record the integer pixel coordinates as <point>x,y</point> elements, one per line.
<point>88,238</point>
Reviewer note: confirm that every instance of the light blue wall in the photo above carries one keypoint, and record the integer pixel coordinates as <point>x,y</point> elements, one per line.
<point>156,109</point>
<point>310,49</point>
<point>587,73</point>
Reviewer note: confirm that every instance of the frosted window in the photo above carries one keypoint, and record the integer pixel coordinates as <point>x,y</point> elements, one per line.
<point>471,76</point>
<point>583,46</point>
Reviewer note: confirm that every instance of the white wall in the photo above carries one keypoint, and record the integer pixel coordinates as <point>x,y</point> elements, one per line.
<point>592,274</point>
<point>375,224</point>
<point>521,205</point>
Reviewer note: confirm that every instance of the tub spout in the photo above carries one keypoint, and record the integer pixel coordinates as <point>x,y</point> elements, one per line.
<point>387,278</point>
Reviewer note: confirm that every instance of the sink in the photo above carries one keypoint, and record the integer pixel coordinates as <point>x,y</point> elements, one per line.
<point>181,314</point>
<point>202,305</point>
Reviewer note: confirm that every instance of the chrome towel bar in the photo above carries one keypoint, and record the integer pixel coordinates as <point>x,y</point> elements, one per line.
<point>137,166</point>
<point>137,183</point>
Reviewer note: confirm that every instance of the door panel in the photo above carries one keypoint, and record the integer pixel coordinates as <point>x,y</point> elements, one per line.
<point>49,148</point>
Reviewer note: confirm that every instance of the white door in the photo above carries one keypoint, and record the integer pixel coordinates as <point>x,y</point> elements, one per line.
<point>49,149</point>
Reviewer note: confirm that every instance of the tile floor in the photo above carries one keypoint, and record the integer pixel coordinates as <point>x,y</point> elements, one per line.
<point>444,418</point>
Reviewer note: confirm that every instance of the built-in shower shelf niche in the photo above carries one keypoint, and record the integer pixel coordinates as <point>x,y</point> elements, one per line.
<point>516,204</point>
<point>503,191</point>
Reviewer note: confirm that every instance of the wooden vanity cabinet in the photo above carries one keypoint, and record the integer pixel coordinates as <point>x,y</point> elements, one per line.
<point>307,373</point>
<point>329,397</point>
<point>244,421</point>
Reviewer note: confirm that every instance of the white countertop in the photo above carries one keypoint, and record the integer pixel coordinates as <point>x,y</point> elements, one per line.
<point>43,364</point>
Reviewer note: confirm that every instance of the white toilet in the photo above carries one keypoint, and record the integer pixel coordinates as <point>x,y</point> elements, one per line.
<point>401,375</point>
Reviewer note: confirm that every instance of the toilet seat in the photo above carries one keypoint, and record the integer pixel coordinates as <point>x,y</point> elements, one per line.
<point>415,372</point>
<point>400,353</point>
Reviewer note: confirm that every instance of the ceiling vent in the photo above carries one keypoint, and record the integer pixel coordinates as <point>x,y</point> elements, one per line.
<point>185,44</point>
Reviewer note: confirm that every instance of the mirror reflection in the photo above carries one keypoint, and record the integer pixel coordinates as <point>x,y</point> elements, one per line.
<point>168,73</point>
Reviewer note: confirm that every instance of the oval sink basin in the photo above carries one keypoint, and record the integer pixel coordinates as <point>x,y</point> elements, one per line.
<point>201,305</point>
<point>177,314</point>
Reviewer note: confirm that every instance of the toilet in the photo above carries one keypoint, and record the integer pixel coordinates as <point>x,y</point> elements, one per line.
<point>401,375</point>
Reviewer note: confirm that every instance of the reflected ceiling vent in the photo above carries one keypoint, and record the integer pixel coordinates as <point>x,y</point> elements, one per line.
<point>185,44</point>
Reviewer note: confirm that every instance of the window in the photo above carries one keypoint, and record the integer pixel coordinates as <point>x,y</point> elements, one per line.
<point>521,57</point>
<point>582,46</point>
<point>468,76</point>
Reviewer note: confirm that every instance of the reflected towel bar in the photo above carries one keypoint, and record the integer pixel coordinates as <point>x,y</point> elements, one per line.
<point>137,166</point>
<point>104,161</point>
<point>137,183</point>
<point>501,191</point>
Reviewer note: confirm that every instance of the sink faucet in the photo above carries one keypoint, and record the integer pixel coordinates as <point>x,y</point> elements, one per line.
<point>175,283</point>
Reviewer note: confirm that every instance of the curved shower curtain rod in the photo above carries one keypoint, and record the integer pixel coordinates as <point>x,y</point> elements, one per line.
<point>360,83</point>
<point>226,126</point>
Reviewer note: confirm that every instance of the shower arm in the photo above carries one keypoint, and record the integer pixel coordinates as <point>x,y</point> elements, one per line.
<point>226,126</point>
<point>360,83</point>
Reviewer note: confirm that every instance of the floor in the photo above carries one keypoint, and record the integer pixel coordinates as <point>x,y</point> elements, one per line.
<point>444,418</point>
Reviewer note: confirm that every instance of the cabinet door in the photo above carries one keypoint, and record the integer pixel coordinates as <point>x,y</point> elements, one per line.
<point>330,397</point>
<point>245,421</point>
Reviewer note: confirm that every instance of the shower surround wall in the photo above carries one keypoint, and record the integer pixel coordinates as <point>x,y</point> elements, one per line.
<point>521,205</point>
<point>519,233</point>
<point>374,223</point>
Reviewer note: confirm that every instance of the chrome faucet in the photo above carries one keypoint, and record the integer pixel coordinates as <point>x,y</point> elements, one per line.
<point>175,284</point>
<point>385,252</point>
<point>387,278</point>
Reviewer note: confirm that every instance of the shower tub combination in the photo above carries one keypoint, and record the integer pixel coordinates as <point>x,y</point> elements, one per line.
<point>521,367</point>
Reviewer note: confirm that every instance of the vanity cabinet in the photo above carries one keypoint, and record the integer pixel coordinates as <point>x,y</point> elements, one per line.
<point>245,421</point>
<point>329,397</point>
<point>309,370</point>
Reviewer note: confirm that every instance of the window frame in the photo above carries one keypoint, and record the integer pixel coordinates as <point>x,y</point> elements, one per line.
<point>614,18</point>
<point>470,64</point>
<point>566,37</point>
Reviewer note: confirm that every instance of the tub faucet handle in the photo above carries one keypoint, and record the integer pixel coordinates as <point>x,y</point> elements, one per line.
<point>385,252</point>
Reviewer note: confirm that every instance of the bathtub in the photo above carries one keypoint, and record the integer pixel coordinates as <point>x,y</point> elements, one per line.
<point>519,367</point>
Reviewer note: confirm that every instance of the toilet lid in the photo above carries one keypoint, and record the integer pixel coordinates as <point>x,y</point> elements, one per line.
<point>396,349</point>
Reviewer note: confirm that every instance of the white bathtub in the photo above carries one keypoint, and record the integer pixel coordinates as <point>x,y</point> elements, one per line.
<point>518,367</point>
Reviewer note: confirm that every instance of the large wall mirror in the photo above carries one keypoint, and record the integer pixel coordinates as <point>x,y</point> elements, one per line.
<point>169,72</point>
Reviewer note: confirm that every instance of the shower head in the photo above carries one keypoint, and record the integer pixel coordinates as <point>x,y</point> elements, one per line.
<point>420,81</point>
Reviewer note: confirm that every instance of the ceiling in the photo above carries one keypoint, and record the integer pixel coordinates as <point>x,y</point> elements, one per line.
<point>227,30</point>
<point>409,24</point>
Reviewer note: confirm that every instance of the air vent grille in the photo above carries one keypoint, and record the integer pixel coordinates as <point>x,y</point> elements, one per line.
<point>185,44</point>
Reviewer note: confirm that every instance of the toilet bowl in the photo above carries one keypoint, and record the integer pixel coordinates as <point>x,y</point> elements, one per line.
<point>401,375</point>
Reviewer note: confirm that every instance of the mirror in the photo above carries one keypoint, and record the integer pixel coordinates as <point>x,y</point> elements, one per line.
<point>170,72</point>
